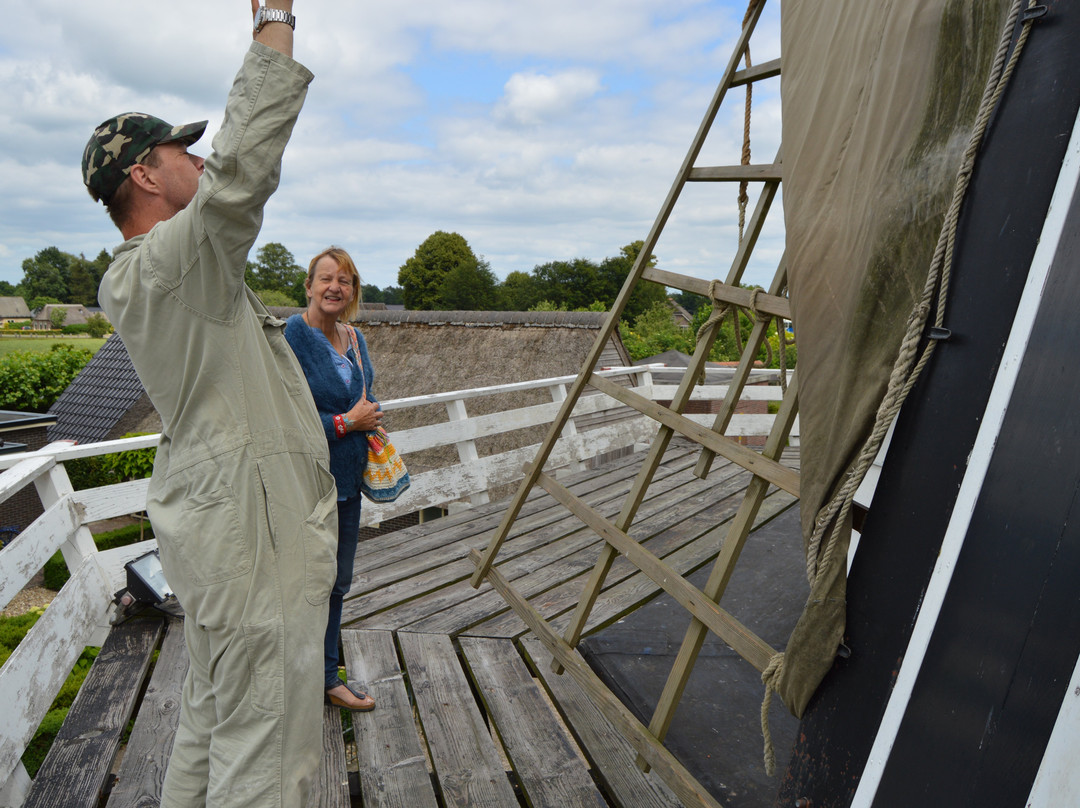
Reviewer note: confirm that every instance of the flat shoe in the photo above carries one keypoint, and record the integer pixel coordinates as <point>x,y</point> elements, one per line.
<point>333,701</point>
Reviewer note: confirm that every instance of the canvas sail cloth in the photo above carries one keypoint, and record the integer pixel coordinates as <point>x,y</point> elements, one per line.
<point>879,100</point>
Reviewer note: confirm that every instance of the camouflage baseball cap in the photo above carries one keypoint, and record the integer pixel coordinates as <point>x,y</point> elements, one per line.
<point>121,142</point>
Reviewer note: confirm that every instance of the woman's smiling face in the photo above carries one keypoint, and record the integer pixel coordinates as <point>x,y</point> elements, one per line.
<point>330,288</point>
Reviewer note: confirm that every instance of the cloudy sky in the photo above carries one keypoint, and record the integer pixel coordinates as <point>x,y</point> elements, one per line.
<point>538,131</point>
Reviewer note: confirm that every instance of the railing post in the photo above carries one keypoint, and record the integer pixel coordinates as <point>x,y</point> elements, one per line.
<point>466,449</point>
<point>52,488</point>
<point>14,791</point>
<point>558,395</point>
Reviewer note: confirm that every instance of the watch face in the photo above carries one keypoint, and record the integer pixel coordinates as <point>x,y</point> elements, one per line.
<point>260,17</point>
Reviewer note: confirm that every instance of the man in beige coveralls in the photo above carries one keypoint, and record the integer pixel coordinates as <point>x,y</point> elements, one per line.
<point>241,498</point>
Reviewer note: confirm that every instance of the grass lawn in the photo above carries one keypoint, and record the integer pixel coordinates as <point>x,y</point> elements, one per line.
<point>11,344</point>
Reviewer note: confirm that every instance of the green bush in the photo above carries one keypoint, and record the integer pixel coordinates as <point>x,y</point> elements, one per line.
<point>12,631</point>
<point>55,570</point>
<point>32,381</point>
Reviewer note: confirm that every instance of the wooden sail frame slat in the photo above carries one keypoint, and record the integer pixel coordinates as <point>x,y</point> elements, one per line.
<point>769,172</point>
<point>741,639</point>
<point>643,258</point>
<point>771,305</point>
<point>765,70</point>
<point>703,604</point>
<point>776,473</point>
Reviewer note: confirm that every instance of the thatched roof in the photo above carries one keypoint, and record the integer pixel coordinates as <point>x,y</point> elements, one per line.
<point>414,353</point>
<point>422,352</point>
<point>13,308</point>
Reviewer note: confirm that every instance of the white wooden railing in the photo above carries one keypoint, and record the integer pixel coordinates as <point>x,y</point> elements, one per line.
<point>79,615</point>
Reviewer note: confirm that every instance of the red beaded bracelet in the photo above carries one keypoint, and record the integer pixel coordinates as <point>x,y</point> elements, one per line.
<point>339,426</point>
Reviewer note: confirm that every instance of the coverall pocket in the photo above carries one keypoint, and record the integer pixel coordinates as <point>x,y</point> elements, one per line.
<point>265,647</point>
<point>320,548</point>
<point>210,540</point>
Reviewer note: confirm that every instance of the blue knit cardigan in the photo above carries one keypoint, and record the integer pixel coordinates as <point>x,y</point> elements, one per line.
<point>348,455</point>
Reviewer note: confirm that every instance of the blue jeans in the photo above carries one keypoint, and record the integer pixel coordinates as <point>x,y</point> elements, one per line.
<point>348,537</point>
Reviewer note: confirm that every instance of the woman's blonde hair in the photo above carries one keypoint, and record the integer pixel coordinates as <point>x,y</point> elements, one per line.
<point>342,259</point>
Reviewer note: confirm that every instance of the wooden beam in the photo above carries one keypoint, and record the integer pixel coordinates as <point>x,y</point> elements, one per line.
<point>765,70</point>
<point>73,773</point>
<point>743,641</point>
<point>779,475</point>
<point>768,172</point>
<point>772,305</point>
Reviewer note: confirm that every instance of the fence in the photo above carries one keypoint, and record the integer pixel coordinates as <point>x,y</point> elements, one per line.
<point>79,615</point>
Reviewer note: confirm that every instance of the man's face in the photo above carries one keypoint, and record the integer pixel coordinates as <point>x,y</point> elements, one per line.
<point>178,172</point>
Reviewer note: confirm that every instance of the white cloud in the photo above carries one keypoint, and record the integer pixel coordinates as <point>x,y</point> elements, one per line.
<point>532,98</point>
<point>566,146</point>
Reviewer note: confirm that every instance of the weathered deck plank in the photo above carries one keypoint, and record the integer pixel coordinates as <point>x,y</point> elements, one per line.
<point>613,757</point>
<point>142,771</point>
<point>544,758</point>
<point>393,769</point>
<point>536,572</point>
<point>439,558</point>
<point>75,770</point>
<point>462,751</point>
<point>519,556</point>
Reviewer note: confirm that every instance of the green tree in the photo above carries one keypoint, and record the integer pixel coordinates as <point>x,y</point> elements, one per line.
<point>422,277</point>
<point>57,317</point>
<point>275,269</point>
<point>393,295</point>
<point>468,287</point>
<point>518,292</point>
<point>7,289</point>
<point>653,332</point>
<point>47,274</point>
<point>612,274</point>
<point>97,326</point>
<point>36,303</point>
<point>273,297</point>
<point>82,282</point>
<point>574,284</point>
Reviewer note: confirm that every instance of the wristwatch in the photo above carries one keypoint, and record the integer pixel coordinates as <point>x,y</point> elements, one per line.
<point>265,15</point>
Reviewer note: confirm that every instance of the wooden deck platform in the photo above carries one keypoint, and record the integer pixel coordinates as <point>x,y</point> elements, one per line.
<point>469,713</point>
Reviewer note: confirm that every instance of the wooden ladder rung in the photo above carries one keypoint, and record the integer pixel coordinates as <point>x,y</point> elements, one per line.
<point>779,475</point>
<point>765,70</point>
<point>765,172</point>
<point>769,305</point>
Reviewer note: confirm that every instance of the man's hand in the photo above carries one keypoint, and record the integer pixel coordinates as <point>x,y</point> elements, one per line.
<point>276,35</point>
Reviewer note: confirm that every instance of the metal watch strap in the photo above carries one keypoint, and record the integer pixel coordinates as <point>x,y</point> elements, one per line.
<point>266,15</point>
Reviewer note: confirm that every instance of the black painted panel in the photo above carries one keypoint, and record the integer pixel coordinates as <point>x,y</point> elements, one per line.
<point>999,230</point>
<point>1008,634</point>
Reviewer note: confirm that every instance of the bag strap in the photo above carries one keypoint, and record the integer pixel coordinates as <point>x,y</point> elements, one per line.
<point>356,352</point>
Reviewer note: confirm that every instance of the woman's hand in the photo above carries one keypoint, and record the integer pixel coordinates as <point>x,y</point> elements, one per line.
<point>365,415</point>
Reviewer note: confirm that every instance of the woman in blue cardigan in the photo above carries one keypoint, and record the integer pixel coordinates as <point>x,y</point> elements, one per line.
<point>335,360</point>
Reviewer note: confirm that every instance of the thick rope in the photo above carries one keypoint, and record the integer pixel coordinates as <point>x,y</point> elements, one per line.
<point>906,369</point>
<point>744,198</point>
